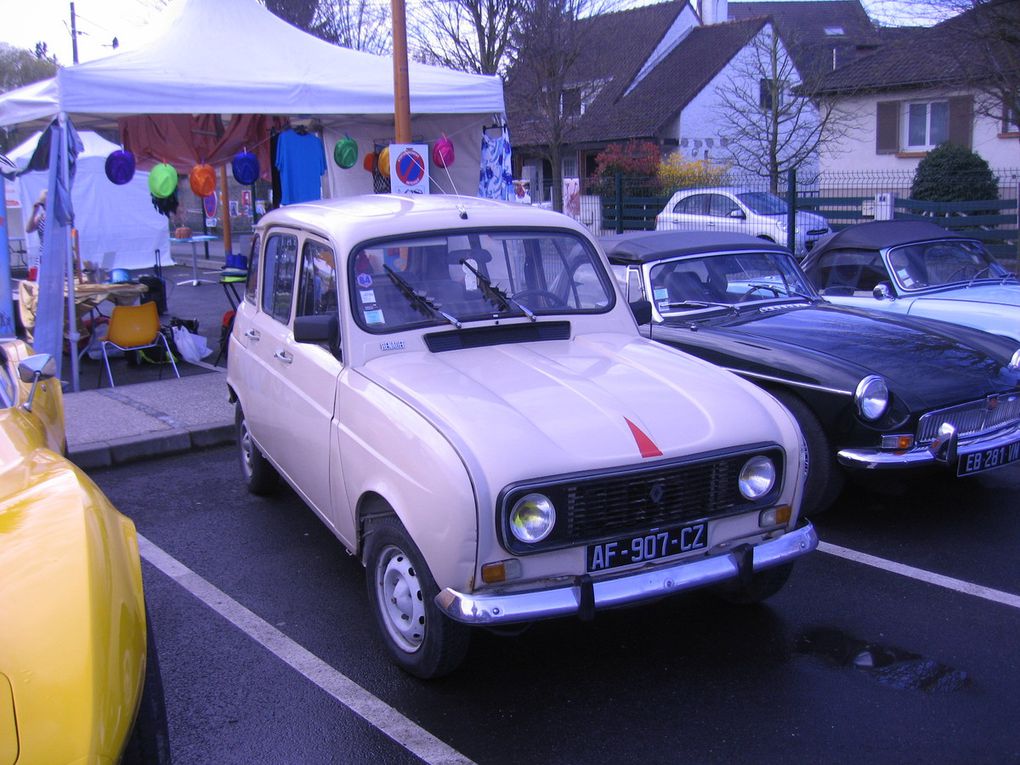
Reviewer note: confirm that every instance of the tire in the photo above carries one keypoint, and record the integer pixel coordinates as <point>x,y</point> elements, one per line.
<point>763,585</point>
<point>149,743</point>
<point>421,639</point>
<point>260,476</point>
<point>824,476</point>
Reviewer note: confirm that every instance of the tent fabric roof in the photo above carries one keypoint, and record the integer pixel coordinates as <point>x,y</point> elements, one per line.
<point>236,57</point>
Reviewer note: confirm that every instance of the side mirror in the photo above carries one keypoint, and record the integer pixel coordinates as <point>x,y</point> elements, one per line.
<point>322,328</point>
<point>882,291</point>
<point>642,311</point>
<point>737,213</point>
<point>41,366</point>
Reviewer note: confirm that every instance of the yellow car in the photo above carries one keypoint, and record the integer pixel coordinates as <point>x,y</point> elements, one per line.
<point>79,679</point>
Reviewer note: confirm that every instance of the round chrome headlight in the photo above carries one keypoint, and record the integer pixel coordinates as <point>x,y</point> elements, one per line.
<point>532,518</point>
<point>1014,362</point>
<point>871,397</point>
<point>757,477</point>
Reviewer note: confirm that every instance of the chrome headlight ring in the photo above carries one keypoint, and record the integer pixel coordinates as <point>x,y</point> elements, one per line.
<point>757,477</point>
<point>532,518</point>
<point>871,397</point>
<point>1014,362</point>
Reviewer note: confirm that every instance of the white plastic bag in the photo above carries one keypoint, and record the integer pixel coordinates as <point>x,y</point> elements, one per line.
<point>192,347</point>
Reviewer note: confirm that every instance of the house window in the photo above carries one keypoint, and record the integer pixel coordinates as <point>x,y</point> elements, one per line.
<point>1011,118</point>
<point>572,102</point>
<point>765,91</point>
<point>834,31</point>
<point>927,124</point>
<point>569,166</point>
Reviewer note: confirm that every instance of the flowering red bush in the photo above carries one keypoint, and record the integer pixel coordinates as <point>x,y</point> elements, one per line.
<point>631,159</point>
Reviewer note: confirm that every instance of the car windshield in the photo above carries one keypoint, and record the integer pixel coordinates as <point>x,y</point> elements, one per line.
<point>763,203</point>
<point>398,284</point>
<point>726,280</point>
<point>950,261</point>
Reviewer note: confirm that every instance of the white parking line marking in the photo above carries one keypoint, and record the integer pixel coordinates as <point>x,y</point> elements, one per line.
<point>408,734</point>
<point>968,588</point>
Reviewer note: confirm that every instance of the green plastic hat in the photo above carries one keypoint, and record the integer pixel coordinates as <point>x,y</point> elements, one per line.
<point>345,153</point>
<point>162,180</point>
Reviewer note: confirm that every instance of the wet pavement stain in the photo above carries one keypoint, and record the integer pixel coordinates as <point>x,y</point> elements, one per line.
<point>890,666</point>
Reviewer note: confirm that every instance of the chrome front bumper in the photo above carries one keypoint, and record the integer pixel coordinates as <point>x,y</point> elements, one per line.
<point>948,450</point>
<point>647,584</point>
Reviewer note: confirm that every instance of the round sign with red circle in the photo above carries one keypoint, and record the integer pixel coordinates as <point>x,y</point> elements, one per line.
<point>410,167</point>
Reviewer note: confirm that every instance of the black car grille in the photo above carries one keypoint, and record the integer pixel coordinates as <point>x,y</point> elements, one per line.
<point>598,506</point>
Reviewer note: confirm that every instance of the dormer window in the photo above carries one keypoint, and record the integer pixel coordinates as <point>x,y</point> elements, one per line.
<point>834,31</point>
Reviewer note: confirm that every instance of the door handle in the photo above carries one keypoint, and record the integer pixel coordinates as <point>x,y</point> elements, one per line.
<point>283,356</point>
<point>253,334</point>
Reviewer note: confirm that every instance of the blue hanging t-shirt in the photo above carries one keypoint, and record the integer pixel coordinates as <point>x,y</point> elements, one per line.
<point>301,160</point>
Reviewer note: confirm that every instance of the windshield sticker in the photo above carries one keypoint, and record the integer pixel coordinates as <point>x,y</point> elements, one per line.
<point>392,345</point>
<point>661,293</point>
<point>365,280</point>
<point>374,317</point>
<point>664,306</point>
<point>905,277</point>
<point>470,280</point>
<point>368,297</point>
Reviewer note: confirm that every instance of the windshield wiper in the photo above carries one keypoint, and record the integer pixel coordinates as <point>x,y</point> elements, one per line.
<point>419,300</point>
<point>698,304</point>
<point>978,274</point>
<point>494,294</point>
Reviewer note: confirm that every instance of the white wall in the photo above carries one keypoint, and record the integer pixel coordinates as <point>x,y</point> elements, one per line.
<point>856,152</point>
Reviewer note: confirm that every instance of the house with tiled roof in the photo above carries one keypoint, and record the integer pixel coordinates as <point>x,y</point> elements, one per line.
<point>954,82</point>
<point>654,73</point>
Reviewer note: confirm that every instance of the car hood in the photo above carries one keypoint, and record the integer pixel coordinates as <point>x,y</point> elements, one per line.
<point>72,646</point>
<point>806,220</point>
<point>982,292</point>
<point>924,366</point>
<point>594,401</point>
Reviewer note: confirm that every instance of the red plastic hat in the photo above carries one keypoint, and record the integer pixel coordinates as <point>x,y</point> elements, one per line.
<point>442,152</point>
<point>203,180</point>
<point>369,163</point>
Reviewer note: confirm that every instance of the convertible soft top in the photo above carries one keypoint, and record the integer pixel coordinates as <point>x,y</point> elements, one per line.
<point>880,234</point>
<point>648,246</point>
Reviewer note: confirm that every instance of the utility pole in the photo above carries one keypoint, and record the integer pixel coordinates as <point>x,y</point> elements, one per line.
<point>74,36</point>
<point>401,91</point>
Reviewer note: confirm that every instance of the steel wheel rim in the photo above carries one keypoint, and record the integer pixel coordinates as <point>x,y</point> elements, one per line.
<point>401,602</point>
<point>247,457</point>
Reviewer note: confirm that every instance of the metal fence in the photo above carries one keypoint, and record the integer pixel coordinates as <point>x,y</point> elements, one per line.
<point>842,199</point>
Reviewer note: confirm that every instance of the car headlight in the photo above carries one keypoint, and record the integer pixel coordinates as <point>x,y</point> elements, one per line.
<point>532,518</point>
<point>757,477</point>
<point>781,223</point>
<point>1014,362</point>
<point>871,397</point>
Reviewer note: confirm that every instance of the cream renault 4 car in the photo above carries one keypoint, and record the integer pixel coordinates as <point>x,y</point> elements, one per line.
<point>458,391</point>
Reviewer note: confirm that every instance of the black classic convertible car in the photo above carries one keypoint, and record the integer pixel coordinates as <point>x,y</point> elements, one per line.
<point>871,391</point>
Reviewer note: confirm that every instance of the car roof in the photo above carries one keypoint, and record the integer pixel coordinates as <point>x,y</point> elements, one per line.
<point>712,189</point>
<point>880,234</point>
<point>650,246</point>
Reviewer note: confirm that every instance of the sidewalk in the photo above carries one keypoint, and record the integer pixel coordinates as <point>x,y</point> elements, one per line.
<point>132,422</point>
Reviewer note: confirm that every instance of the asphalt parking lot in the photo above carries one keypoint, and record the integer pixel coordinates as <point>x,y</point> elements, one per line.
<point>895,642</point>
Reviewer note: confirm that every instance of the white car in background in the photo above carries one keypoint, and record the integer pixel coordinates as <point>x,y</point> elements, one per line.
<point>917,269</point>
<point>457,389</point>
<point>760,214</point>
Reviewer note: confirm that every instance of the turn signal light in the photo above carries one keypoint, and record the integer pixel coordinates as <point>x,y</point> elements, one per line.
<point>897,443</point>
<point>775,516</point>
<point>501,571</point>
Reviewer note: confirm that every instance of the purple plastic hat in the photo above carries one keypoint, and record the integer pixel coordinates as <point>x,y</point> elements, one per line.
<point>245,167</point>
<point>442,152</point>
<point>120,167</point>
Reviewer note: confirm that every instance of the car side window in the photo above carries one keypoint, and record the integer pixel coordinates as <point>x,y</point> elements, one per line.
<point>692,205</point>
<point>317,293</point>
<point>278,278</point>
<point>251,288</point>
<point>721,206</point>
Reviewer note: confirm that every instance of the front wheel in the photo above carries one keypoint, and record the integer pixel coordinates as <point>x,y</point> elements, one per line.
<point>260,476</point>
<point>420,638</point>
<point>149,743</point>
<point>761,586</point>
<point>824,476</point>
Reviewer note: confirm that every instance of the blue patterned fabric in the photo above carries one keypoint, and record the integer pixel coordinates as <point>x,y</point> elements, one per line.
<point>496,179</point>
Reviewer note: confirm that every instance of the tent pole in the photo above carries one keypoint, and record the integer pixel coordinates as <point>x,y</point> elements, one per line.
<point>227,245</point>
<point>401,88</point>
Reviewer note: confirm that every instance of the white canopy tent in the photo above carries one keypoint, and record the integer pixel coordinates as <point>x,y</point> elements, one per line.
<point>235,57</point>
<point>117,225</point>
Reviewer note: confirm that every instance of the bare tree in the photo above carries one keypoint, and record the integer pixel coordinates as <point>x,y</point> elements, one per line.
<point>356,24</point>
<point>551,39</point>
<point>467,35</point>
<point>768,120</point>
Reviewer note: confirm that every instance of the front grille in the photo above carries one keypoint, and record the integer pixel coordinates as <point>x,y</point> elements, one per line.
<point>973,418</point>
<point>817,231</point>
<point>601,506</point>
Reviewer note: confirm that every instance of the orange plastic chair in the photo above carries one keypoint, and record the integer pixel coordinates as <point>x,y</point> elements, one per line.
<point>135,328</point>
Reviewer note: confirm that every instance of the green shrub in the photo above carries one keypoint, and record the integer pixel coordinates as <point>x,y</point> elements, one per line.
<point>952,173</point>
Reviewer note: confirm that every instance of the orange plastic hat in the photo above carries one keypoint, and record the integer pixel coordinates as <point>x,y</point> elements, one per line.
<point>203,180</point>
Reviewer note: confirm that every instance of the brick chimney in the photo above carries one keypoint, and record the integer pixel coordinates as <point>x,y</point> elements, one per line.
<point>712,11</point>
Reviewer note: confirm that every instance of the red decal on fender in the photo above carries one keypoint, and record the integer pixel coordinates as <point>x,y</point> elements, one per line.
<point>645,444</point>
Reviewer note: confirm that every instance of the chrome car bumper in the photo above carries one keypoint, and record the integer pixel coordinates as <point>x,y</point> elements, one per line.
<point>588,594</point>
<point>947,450</point>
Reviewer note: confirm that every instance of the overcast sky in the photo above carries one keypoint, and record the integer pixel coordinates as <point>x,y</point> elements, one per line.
<point>99,21</point>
